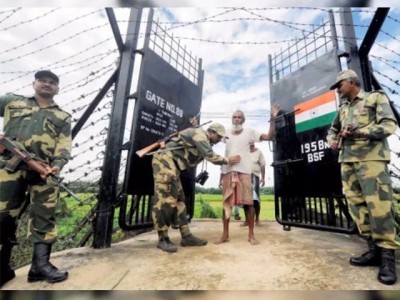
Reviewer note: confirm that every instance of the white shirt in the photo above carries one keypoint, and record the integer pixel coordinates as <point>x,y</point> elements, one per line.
<point>258,160</point>
<point>239,145</point>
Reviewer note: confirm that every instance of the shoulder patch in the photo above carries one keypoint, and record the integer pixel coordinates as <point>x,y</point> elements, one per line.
<point>378,91</point>
<point>67,114</point>
<point>63,114</point>
<point>16,96</point>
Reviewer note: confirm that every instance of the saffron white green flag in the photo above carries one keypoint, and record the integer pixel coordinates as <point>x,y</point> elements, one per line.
<point>316,112</point>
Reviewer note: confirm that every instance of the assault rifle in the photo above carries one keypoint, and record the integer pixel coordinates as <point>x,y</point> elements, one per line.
<point>161,143</point>
<point>20,154</point>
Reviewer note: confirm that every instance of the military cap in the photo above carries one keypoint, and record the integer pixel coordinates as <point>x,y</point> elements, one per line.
<point>345,74</point>
<point>218,128</point>
<point>47,73</point>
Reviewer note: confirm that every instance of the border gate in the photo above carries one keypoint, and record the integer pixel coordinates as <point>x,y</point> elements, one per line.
<point>168,96</point>
<point>308,190</point>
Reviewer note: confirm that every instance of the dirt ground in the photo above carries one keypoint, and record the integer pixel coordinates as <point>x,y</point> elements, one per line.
<point>300,259</point>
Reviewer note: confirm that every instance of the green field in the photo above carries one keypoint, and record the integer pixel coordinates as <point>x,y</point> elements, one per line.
<point>203,202</point>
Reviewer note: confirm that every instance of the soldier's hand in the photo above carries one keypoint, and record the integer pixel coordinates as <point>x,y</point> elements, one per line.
<point>55,170</point>
<point>346,132</point>
<point>334,144</point>
<point>234,159</point>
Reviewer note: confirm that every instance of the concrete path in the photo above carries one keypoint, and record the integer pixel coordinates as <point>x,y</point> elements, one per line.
<point>300,259</point>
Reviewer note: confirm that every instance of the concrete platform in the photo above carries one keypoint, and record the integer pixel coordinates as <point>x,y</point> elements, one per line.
<point>300,259</point>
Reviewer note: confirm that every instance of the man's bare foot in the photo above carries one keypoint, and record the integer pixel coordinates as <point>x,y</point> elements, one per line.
<point>222,240</point>
<point>258,224</point>
<point>244,224</point>
<point>253,241</point>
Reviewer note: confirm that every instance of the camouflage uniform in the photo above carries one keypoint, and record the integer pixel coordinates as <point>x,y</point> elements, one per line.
<point>169,208</point>
<point>364,159</point>
<point>46,133</point>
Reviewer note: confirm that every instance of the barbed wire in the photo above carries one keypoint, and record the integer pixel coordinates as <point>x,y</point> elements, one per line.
<point>396,82</point>
<point>53,65</point>
<point>386,62</point>
<point>200,20</point>
<point>50,31</point>
<point>30,20</point>
<point>55,44</point>
<point>12,12</point>
<point>385,59</point>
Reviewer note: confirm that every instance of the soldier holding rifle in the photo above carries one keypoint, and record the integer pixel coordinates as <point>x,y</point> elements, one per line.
<point>184,150</point>
<point>42,129</point>
<point>360,132</point>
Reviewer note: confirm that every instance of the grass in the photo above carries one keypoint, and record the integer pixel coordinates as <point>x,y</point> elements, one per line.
<point>267,212</point>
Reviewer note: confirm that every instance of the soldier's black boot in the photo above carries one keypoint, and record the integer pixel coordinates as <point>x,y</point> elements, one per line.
<point>191,240</point>
<point>41,268</point>
<point>387,271</point>
<point>369,258</point>
<point>6,272</point>
<point>7,241</point>
<point>165,244</point>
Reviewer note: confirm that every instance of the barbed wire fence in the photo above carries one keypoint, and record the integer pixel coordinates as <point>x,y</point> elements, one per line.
<point>79,46</point>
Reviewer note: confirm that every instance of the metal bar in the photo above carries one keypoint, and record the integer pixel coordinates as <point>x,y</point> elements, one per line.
<point>88,112</point>
<point>334,37</point>
<point>366,45</point>
<point>373,30</point>
<point>287,161</point>
<point>112,158</point>
<point>270,69</point>
<point>353,60</point>
<point>115,29</point>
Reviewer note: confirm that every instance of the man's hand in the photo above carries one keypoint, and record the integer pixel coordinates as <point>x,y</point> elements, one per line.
<point>2,148</point>
<point>234,159</point>
<point>262,182</point>
<point>275,110</point>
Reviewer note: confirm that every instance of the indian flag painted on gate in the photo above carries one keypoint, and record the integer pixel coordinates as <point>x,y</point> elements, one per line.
<point>316,112</point>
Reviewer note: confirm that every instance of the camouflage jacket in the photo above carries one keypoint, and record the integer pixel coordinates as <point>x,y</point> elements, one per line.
<point>195,146</point>
<point>44,132</point>
<point>372,116</point>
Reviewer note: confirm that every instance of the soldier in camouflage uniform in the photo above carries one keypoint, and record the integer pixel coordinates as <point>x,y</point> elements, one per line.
<point>187,150</point>
<point>360,132</point>
<point>43,129</point>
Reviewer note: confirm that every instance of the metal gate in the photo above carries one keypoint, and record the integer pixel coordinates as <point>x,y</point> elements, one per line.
<point>307,183</point>
<point>169,94</point>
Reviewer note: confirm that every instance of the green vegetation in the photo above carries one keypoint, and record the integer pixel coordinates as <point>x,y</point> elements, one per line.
<point>210,206</point>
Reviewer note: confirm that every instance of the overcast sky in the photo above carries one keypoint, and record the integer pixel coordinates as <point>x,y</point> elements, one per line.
<point>236,76</point>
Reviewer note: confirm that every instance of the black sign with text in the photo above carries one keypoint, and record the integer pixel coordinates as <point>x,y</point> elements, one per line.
<point>304,163</point>
<point>166,102</point>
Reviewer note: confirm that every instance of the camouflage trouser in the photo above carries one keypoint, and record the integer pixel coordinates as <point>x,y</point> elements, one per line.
<point>43,199</point>
<point>368,188</point>
<point>169,208</point>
